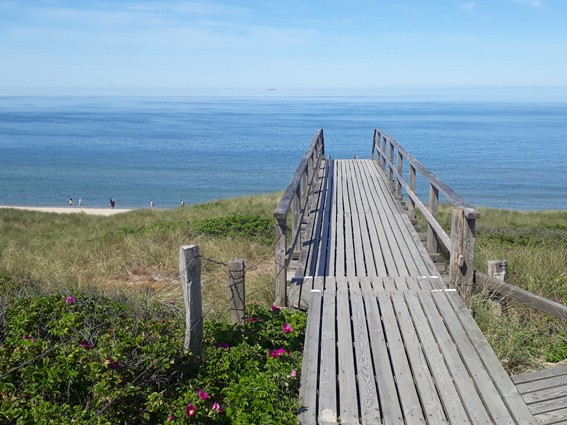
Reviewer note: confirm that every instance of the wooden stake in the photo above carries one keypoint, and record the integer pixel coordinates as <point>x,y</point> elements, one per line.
<point>236,284</point>
<point>190,272</point>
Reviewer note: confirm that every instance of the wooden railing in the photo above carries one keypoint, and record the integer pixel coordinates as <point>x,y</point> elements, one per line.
<point>391,156</point>
<point>296,199</point>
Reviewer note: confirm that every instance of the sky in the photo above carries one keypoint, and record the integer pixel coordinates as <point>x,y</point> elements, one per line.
<point>293,46</point>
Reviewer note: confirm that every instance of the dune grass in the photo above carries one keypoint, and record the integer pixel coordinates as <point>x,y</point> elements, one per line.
<point>136,254</point>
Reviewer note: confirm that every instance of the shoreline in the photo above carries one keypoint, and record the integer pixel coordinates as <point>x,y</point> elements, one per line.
<point>73,210</point>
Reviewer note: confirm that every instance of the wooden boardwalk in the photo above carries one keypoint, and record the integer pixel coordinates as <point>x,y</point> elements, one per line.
<point>387,341</point>
<point>545,392</point>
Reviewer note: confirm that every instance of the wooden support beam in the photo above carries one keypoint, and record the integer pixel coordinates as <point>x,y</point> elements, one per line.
<point>236,284</point>
<point>190,272</point>
<point>463,226</point>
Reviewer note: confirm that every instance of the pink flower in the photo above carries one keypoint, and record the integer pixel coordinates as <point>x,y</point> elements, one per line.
<point>286,328</point>
<point>29,338</point>
<point>70,300</point>
<point>114,365</point>
<point>190,410</point>
<point>170,418</point>
<point>251,319</point>
<point>202,395</point>
<point>276,353</point>
<point>85,345</point>
<point>217,407</point>
<point>559,300</point>
<point>275,308</point>
<point>224,345</point>
<point>293,373</point>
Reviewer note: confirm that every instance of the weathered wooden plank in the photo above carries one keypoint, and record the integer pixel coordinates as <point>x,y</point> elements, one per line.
<point>367,392</point>
<point>414,258</point>
<point>464,383</point>
<point>548,405</point>
<point>510,394</point>
<point>308,387</point>
<point>350,252</point>
<point>348,393</point>
<point>430,401</point>
<point>327,409</point>
<point>543,374</point>
<point>385,382</point>
<point>555,417</point>
<point>486,389</point>
<point>449,396</point>
<point>339,234</point>
<point>542,384</point>
<point>409,398</point>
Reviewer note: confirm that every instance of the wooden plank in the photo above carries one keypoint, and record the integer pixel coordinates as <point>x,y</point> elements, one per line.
<point>308,387</point>
<point>385,382</point>
<point>430,401</point>
<point>542,384</point>
<point>327,409</point>
<point>444,382</point>
<point>365,263</point>
<point>339,234</point>
<point>348,393</point>
<point>545,394</point>
<point>556,417</point>
<point>543,406</point>
<point>551,372</point>
<point>409,398</point>
<point>390,252</point>
<point>367,392</point>
<point>415,259</point>
<point>466,387</point>
<point>492,399</point>
<point>510,394</point>
<point>350,252</point>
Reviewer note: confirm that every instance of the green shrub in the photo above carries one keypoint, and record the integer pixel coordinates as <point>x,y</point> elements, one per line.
<point>91,360</point>
<point>238,225</point>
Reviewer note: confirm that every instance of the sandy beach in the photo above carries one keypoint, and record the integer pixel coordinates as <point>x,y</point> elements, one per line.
<point>74,210</point>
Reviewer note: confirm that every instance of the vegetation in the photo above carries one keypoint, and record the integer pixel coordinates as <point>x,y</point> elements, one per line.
<point>91,360</point>
<point>114,354</point>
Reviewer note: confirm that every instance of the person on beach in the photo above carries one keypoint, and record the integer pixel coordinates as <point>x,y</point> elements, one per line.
<point>182,203</point>
<point>112,203</point>
<point>151,203</point>
<point>70,202</point>
<point>80,204</point>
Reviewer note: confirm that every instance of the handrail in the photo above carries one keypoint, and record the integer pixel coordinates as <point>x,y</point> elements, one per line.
<point>295,197</point>
<point>460,243</point>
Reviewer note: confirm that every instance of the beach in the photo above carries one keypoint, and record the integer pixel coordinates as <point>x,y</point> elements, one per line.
<point>74,210</point>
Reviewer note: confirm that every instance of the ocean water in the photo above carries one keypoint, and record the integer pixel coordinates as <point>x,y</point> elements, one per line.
<point>137,149</point>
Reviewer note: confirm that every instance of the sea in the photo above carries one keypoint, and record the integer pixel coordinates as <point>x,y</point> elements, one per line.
<point>135,149</point>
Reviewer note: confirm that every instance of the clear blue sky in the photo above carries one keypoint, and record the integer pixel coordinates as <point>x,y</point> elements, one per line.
<point>299,46</point>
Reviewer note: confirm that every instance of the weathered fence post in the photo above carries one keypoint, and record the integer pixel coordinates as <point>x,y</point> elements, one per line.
<point>281,269</point>
<point>497,269</point>
<point>462,250</point>
<point>190,272</point>
<point>433,209</point>
<point>236,284</point>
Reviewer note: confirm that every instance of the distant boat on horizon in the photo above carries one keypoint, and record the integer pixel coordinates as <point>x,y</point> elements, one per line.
<point>272,89</point>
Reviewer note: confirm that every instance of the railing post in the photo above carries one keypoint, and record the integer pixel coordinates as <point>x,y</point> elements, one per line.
<point>412,176</point>
<point>190,272</point>
<point>236,284</point>
<point>462,250</point>
<point>433,209</point>
<point>281,268</point>
<point>391,163</point>
<point>383,149</point>
<point>400,171</point>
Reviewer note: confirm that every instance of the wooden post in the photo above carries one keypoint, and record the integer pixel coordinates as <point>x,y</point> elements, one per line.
<point>462,250</point>
<point>498,269</point>
<point>433,209</point>
<point>190,271</point>
<point>391,164</point>
<point>412,176</point>
<point>281,269</point>
<point>400,169</point>
<point>236,284</point>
